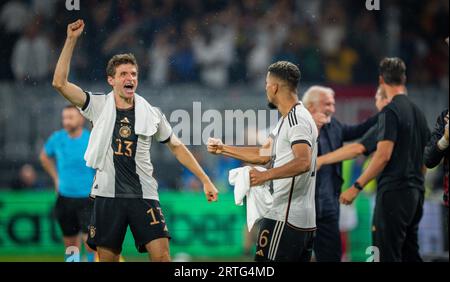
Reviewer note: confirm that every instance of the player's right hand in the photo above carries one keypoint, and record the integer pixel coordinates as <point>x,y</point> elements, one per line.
<point>74,30</point>
<point>215,146</point>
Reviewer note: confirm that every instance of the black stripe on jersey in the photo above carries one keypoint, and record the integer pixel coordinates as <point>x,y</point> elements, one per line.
<point>289,207</point>
<point>301,142</point>
<point>167,140</point>
<point>88,98</point>
<point>86,103</point>
<point>291,191</point>
<point>292,116</point>
<point>292,119</point>
<point>295,115</point>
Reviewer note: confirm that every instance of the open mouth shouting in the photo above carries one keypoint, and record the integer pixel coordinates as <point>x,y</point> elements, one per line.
<point>129,88</point>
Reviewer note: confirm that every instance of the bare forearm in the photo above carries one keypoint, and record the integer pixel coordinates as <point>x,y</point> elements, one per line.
<point>291,169</point>
<point>185,157</point>
<point>347,152</point>
<point>252,155</point>
<point>61,75</point>
<point>375,167</point>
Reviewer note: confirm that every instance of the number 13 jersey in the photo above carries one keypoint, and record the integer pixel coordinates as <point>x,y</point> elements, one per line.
<point>128,171</point>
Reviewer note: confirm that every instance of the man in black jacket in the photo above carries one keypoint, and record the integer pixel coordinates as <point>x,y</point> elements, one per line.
<point>320,101</point>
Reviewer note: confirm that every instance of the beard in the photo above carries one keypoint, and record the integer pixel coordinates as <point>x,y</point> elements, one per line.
<point>272,106</point>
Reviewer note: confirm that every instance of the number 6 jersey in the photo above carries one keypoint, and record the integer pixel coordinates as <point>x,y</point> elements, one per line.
<point>293,198</point>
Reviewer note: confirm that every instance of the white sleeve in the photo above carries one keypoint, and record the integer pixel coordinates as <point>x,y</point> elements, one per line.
<point>93,106</point>
<point>300,131</point>
<point>164,129</point>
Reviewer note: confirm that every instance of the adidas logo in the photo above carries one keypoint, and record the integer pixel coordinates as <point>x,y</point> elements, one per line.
<point>125,120</point>
<point>260,253</point>
<point>96,186</point>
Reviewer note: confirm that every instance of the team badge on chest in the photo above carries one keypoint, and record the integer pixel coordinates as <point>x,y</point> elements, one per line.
<point>125,131</point>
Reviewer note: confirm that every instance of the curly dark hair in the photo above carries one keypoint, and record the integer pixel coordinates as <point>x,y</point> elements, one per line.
<point>286,71</point>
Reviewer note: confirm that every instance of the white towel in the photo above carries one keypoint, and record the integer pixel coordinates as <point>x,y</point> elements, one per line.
<point>147,120</point>
<point>259,199</point>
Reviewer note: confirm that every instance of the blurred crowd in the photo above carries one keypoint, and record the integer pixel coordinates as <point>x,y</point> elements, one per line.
<point>219,42</point>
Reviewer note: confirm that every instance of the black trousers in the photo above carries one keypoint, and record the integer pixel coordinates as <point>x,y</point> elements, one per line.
<point>396,224</point>
<point>327,244</point>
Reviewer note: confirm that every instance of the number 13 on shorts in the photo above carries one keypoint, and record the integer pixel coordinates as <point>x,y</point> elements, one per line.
<point>152,213</point>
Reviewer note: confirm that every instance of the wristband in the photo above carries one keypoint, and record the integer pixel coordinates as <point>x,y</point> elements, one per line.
<point>358,186</point>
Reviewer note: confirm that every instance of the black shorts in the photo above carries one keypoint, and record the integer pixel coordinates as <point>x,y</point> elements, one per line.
<point>281,242</point>
<point>112,216</point>
<point>73,215</point>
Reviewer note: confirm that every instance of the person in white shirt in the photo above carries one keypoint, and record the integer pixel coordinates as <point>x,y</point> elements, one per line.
<point>119,149</point>
<point>287,230</point>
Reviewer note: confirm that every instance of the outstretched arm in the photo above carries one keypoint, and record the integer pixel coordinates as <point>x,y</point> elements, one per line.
<point>348,152</point>
<point>379,161</point>
<point>185,157</point>
<point>68,90</point>
<point>253,155</point>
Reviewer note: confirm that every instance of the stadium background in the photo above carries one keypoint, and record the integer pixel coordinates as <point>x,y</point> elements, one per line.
<point>216,53</point>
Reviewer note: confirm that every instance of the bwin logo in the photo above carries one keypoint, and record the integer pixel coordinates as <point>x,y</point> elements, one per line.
<point>372,5</point>
<point>73,5</point>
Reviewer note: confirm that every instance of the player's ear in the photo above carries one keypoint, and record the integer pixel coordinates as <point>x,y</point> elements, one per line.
<point>275,88</point>
<point>381,80</point>
<point>111,81</point>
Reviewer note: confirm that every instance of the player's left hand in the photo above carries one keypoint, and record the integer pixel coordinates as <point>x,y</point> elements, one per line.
<point>211,192</point>
<point>257,178</point>
<point>349,196</point>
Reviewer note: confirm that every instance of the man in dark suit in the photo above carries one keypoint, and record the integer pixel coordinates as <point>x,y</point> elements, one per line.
<point>320,101</point>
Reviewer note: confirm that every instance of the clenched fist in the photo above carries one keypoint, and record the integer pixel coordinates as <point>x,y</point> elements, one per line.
<point>215,146</point>
<point>74,30</point>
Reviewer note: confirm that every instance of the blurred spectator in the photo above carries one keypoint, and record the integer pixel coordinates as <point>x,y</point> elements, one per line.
<point>31,58</point>
<point>214,50</point>
<point>98,31</point>
<point>260,54</point>
<point>183,62</point>
<point>237,39</point>
<point>44,8</point>
<point>332,27</point>
<point>159,55</point>
<point>14,16</point>
<point>26,179</point>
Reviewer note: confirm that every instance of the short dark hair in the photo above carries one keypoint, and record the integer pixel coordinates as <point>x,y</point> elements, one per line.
<point>393,71</point>
<point>121,59</point>
<point>286,71</point>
